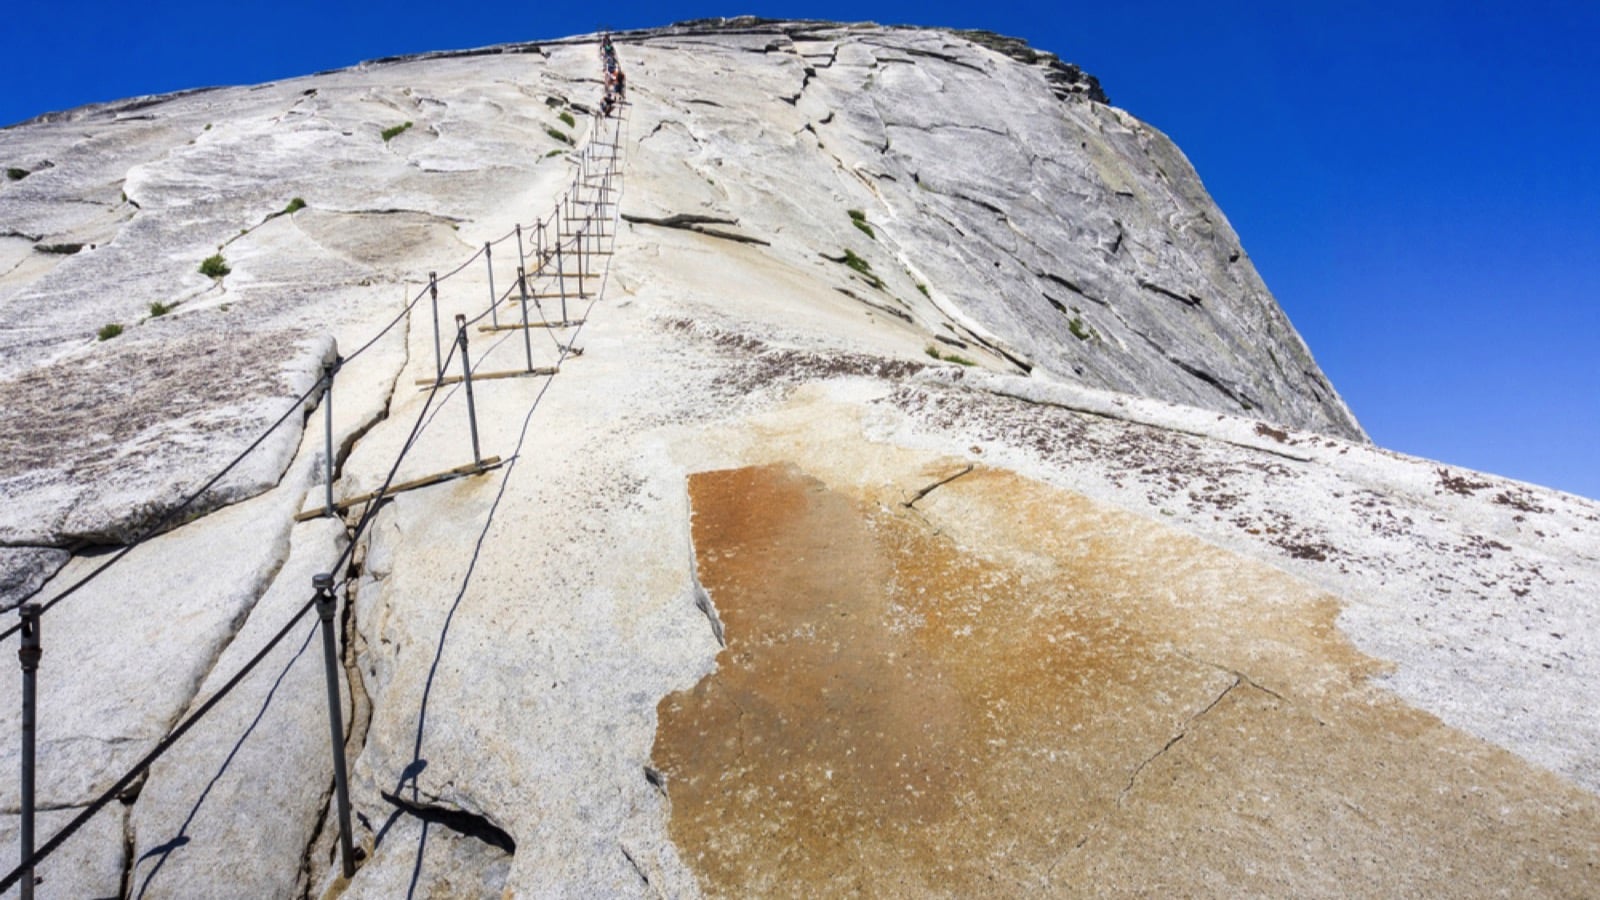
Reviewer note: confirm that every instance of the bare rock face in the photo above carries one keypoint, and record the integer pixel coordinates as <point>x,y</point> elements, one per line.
<point>929,500</point>
<point>995,210</point>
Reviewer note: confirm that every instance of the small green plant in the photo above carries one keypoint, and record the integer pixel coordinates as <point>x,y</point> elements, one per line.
<point>924,289</point>
<point>157,308</point>
<point>109,331</point>
<point>389,133</point>
<point>558,134</point>
<point>933,351</point>
<point>294,206</point>
<point>1079,330</point>
<point>208,126</point>
<point>567,118</point>
<point>556,152</point>
<point>862,267</point>
<point>17,174</point>
<point>60,249</point>
<point>214,266</point>
<point>859,219</point>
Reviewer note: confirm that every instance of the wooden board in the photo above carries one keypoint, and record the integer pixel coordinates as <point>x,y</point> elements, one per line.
<point>344,505</point>
<point>518,326</point>
<point>483,376</point>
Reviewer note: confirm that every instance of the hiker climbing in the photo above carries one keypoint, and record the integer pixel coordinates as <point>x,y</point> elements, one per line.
<point>615,81</point>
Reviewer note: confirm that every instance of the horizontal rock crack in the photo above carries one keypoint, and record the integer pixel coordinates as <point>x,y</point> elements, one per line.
<point>457,820</point>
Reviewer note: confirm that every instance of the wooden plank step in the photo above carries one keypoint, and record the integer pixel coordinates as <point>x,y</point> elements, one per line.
<point>518,326</point>
<point>573,275</point>
<point>485,376</point>
<point>343,506</point>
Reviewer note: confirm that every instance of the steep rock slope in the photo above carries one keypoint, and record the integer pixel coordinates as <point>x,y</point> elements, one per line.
<point>996,209</point>
<point>757,565</point>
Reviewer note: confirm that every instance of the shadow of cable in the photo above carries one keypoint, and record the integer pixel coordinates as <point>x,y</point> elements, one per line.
<point>163,851</point>
<point>408,776</point>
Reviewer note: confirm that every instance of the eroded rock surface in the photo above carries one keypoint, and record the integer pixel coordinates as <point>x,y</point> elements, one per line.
<point>1013,689</point>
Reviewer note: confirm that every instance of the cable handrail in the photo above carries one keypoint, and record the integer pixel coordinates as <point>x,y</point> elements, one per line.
<point>372,505</point>
<point>172,514</point>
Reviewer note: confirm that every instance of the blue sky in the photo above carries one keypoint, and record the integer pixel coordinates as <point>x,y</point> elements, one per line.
<point>1418,182</point>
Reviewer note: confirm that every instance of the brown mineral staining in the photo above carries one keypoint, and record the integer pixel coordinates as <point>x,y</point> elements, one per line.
<point>1020,691</point>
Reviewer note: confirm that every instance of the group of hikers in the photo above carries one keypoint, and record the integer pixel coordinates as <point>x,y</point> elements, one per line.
<point>616,82</point>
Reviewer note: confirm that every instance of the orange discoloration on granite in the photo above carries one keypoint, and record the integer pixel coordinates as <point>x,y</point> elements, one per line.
<point>1013,689</point>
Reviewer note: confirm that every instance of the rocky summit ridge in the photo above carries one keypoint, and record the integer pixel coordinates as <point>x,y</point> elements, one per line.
<point>907,487</point>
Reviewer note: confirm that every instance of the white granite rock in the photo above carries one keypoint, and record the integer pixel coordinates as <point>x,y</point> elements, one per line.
<point>262,750</point>
<point>123,656</point>
<point>91,862</point>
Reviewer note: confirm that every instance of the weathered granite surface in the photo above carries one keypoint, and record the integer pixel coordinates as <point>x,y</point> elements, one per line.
<point>1127,601</point>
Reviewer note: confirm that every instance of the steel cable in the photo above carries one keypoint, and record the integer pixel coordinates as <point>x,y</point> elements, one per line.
<point>372,506</point>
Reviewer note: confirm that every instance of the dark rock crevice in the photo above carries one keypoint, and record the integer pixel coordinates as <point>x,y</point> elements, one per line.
<point>1186,299</point>
<point>460,821</point>
<point>637,868</point>
<point>925,491</point>
<point>697,223</point>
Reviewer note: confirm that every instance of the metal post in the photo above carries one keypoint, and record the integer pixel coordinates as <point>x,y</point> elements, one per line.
<point>527,332</point>
<point>328,371</point>
<point>330,658</point>
<point>581,261</point>
<point>438,353</point>
<point>561,279</point>
<point>522,261</point>
<point>28,652</point>
<point>466,379</point>
<point>488,258</point>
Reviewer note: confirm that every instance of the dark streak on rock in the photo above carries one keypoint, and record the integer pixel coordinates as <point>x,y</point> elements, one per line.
<point>697,223</point>
<point>459,821</point>
<point>1186,299</point>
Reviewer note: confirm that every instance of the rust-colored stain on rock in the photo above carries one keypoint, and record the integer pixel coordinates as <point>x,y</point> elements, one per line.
<point>1024,692</point>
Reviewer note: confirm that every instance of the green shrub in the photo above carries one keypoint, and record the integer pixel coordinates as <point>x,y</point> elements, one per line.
<point>17,174</point>
<point>859,220</point>
<point>558,134</point>
<point>214,266</point>
<point>1079,330</point>
<point>567,118</point>
<point>394,132</point>
<point>294,206</point>
<point>556,152</point>
<point>60,249</point>
<point>862,267</point>
<point>924,289</point>
<point>109,331</point>
<point>157,308</point>
<point>948,357</point>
